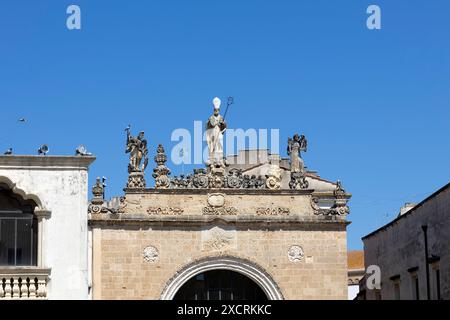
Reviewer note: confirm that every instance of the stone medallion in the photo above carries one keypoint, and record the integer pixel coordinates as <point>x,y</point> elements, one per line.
<point>295,254</point>
<point>216,200</point>
<point>150,254</point>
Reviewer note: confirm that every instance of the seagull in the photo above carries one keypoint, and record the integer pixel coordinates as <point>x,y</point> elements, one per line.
<point>127,129</point>
<point>8,152</point>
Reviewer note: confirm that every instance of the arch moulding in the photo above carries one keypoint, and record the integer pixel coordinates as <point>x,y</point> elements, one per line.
<point>240,265</point>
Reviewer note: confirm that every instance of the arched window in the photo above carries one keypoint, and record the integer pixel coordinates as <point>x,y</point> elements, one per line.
<point>18,230</point>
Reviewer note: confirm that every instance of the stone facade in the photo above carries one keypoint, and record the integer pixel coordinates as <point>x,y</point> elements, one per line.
<point>398,249</point>
<point>291,242</point>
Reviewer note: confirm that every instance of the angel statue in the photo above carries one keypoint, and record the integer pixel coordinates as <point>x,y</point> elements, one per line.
<point>137,148</point>
<point>215,127</point>
<point>296,145</point>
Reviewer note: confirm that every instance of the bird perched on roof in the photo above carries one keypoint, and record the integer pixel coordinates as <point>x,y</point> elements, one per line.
<point>8,152</point>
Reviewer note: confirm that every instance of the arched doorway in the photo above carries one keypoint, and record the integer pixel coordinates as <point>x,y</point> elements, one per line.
<point>242,267</point>
<point>220,285</point>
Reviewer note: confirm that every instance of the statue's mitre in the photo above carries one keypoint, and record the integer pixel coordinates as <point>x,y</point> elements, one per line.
<point>216,103</point>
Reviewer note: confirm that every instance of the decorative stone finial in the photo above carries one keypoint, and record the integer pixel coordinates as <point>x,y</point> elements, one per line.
<point>98,200</point>
<point>161,172</point>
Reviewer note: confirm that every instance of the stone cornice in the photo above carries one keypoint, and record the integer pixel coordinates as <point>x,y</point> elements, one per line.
<point>45,162</point>
<point>229,191</point>
<point>11,271</point>
<point>143,219</point>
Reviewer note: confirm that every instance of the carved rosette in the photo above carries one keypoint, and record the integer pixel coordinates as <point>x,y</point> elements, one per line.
<point>201,179</point>
<point>273,183</point>
<point>136,180</point>
<point>234,179</point>
<point>295,254</point>
<point>150,254</point>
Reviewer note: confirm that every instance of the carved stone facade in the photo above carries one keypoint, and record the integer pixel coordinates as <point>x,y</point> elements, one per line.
<point>287,234</point>
<point>275,221</point>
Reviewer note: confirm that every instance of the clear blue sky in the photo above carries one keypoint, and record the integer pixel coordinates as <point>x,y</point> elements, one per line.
<point>373,104</point>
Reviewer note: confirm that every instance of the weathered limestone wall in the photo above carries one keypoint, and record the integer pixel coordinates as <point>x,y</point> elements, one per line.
<point>400,246</point>
<point>136,253</point>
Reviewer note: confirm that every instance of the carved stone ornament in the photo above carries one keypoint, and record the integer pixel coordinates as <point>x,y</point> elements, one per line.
<point>161,172</point>
<point>165,211</point>
<point>150,254</point>
<point>295,254</point>
<point>136,180</point>
<point>96,205</point>
<point>217,239</point>
<point>220,211</point>
<point>234,179</point>
<point>216,200</point>
<point>273,211</point>
<point>273,176</point>
<point>298,181</point>
<point>122,205</point>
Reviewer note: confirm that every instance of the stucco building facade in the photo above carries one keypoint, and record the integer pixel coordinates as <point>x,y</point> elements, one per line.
<point>45,197</point>
<point>413,252</point>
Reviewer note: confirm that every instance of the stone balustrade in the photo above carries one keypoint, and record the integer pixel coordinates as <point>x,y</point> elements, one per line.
<point>23,282</point>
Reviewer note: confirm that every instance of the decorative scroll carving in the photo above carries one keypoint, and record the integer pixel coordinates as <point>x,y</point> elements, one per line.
<point>273,177</point>
<point>273,211</point>
<point>168,211</point>
<point>234,179</point>
<point>161,172</point>
<point>298,181</point>
<point>340,206</point>
<point>220,211</point>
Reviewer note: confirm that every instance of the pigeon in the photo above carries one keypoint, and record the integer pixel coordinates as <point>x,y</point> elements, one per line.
<point>8,152</point>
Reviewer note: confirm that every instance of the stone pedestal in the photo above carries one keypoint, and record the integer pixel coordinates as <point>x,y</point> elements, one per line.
<point>136,180</point>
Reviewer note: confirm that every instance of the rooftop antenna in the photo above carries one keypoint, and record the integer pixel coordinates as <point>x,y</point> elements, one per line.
<point>104,186</point>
